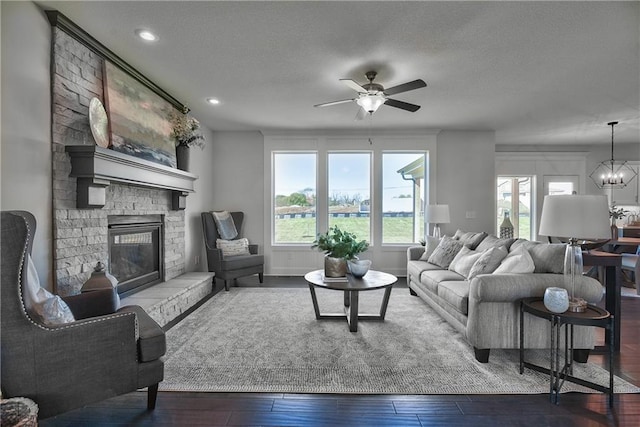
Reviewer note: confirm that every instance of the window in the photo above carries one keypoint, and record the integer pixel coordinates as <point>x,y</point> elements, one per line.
<point>515,201</point>
<point>349,192</point>
<point>403,197</point>
<point>557,184</point>
<point>375,190</point>
<point>294,197</point>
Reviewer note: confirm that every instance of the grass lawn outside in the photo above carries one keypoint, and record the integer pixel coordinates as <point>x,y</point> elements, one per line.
<point>302,230</point>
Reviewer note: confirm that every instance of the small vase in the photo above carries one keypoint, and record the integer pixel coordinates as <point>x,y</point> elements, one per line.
<point>614,231</point>
<point>556,300</point>
<point>182,157</point>
<point>334,267</point>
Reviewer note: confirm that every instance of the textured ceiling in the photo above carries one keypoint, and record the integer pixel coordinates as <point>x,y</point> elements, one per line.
<point>535,72</point>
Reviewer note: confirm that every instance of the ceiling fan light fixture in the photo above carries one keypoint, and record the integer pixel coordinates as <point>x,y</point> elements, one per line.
<point>370,102</point>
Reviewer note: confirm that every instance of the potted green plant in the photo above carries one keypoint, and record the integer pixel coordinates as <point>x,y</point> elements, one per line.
<point>186,132</point>
<point>339,247</point>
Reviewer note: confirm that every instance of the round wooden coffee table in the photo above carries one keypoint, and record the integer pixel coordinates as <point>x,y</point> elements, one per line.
<point>351,287</point>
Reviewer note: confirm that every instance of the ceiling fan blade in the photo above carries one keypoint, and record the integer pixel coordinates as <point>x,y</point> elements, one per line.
<point>361,114</point>
<point>405,87</point>
<point>326,104</point>
<point>402,105</point>
<point>353,85</point>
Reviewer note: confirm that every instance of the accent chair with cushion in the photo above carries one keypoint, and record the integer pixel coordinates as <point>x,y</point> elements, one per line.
<point>92,351</point>
<point>230,257</point>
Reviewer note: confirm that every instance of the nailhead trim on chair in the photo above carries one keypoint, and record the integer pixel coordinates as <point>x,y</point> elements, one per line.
<point>79,323</point>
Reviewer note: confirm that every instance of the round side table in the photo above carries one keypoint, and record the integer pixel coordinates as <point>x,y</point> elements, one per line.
<point>593,316</point>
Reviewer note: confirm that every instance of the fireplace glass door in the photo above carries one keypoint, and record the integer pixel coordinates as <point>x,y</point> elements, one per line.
<point>135,255</point>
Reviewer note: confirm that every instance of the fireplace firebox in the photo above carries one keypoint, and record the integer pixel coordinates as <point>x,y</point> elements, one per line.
<point>136,251</point>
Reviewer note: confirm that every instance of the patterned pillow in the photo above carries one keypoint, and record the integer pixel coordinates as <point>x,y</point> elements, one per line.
<point>494,242</point>
<point>518,261</point>
<point>464,260</point>
<point>430,245</point>
<point>488,261</point>
<point>445,252</point>
<point>470,238</point>
<point>233,247</point>
<point>41,304</point>
<point>225,225</point>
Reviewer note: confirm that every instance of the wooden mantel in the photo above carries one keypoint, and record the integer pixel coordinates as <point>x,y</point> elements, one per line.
<point>95,168</point>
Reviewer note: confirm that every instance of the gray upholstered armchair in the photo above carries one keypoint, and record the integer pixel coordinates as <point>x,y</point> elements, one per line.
<point>100,355</point>
<point>230,267</point>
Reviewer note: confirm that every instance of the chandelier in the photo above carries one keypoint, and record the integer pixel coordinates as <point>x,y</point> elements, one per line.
<point>612,173</point>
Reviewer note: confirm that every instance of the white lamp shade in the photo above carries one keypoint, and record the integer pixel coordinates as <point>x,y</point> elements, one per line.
<point>575,216</point>
<point>438,214</point>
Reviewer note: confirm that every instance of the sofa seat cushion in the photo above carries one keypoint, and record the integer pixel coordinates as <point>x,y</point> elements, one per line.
<point>241,261</point>
<point>456,294</point>
<point>415,268</point>
<point>152,343</point>
<point>432,278</point>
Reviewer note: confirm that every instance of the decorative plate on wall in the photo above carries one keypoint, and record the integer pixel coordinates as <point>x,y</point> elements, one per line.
<point>98,122</point>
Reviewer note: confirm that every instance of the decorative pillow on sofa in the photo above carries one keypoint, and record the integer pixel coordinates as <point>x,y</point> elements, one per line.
<point>430,245</point>
<point>233,247</point>
<point>492,241</point>
<point>225,225</point>
<point>547,257</point>
<point>488,261</point>
<point>464,260</point>
<point>445,252</point>
<point>470,238</point>
<point>518,261</point>
<point>41,304</point>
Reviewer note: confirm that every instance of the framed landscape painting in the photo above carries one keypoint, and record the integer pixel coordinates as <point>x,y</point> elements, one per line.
<point>138,118</point>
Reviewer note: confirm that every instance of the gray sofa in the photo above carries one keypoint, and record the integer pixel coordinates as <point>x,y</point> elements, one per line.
<point>485,308</point>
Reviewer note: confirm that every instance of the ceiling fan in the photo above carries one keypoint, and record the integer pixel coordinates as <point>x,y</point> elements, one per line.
<point>372,95</point>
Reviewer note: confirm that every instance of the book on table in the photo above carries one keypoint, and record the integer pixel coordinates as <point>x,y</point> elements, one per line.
<point>327,279</point>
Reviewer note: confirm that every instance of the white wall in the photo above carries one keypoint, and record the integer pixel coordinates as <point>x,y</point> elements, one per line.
<point>202,200</point>
<point>466,179</point>
<point>26,123</point>
<point>237,179</point>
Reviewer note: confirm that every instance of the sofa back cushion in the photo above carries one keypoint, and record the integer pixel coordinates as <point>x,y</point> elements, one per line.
<point>445,252</point>
<point>547,257</point>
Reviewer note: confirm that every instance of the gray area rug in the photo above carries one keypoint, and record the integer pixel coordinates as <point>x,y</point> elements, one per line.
<point>268,340</point>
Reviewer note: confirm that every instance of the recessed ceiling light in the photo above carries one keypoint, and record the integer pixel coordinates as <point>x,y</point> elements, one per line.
<point>146,35</point>
<point>213,101</point>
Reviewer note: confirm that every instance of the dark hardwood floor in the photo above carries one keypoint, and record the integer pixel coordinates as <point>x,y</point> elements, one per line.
<point>259,409</point>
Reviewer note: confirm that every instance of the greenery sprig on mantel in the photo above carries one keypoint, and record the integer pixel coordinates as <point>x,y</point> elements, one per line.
<point>186,130</point>
<point>339,244</point>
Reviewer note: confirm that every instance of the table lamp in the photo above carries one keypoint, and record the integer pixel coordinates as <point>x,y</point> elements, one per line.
<point>575,217</point>
<point>436,215</point>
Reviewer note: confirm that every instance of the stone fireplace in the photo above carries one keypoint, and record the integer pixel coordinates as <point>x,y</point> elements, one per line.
<point>81,232</point>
